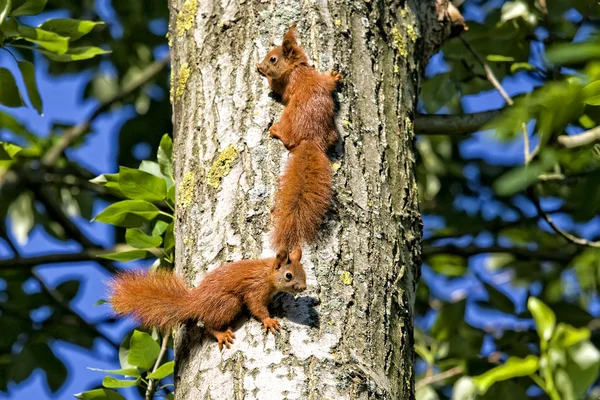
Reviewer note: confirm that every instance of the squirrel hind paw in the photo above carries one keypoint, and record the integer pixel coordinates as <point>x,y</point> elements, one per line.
<point>271,325</point>
<point>336,76</point>
<point>225,338</point>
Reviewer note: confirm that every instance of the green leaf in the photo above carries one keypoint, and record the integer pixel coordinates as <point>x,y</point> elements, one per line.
<point>164,370</point>
<point>129,372</point>
<point>140,185</point>
<point>521,66</point>
<point>114,383</point>
<point>56,371</point>
<point>75,54</point>
<point>138,239</point>
<point>499,299</point>
<point>9,95</point>
<point>22,221</point>
<point>152,168</point>
<point>169,241</point>
<point>448,320</point>
<point>464,389</point>
<point>48,40</point>
<point>126,256</point>
<point>545,320</point>
<point>128,213</point>
<point>8,151</point>
<point>159,228</point>
<point>499,58</point>
<point>72,28</point>
<point>573,53</point>
<point>520,178</point>
<point>426,393</point>
<point>100,394</point>
<point>27,7</point>
<point>583,366</point>
<point>100,302</point>
<point>143,350</point>
<point>30,84</point>
<point>165,161</point>
<point>512,368</point>
<point>5,6</point>
<point>566,336</point>
<point>591,94</point>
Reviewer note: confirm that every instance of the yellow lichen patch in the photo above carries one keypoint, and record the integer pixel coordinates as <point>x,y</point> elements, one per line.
<point>186,17</point>
<point>172,88</point>
<point>412,33</point>
<point>335,166</point>
<point>346,122</point>
<point>221,167</point>
<point>338,22</point>
<point>184,74</point>
<point>346,278</point>
<point>408,124</point>
<point>396,69</point>
<point>399,42</point>
<point>185,194</point>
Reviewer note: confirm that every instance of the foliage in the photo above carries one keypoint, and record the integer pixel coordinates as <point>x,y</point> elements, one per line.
<point>138,354</point>
<point>146,209</point>
<point>489,210</point>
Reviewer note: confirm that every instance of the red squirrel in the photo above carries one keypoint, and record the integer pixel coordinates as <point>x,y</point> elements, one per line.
<point>305,92</point>
<point>162,299</point>
<point>307,129</point>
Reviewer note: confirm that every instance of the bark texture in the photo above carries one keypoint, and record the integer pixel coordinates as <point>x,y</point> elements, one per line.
<point>350,335</point>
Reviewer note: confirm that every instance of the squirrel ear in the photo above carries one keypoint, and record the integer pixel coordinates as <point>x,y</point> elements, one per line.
<point>289,41</point>
<point>296,254</point>
<point>288,48</point>
<point>281,258</point>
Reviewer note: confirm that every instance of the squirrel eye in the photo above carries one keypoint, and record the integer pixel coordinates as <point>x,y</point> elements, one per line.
<point>288,276</point>
<point>273,59</point>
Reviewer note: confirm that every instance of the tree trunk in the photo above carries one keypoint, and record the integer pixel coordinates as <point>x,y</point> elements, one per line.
<point>351,334</point>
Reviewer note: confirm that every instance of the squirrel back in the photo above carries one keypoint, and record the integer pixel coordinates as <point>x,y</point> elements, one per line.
<point>302,198</point>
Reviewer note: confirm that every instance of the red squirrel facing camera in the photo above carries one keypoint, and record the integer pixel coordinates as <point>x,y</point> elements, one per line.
<point>307,129</point>
<point>163,300</point>
<point>306,93</point>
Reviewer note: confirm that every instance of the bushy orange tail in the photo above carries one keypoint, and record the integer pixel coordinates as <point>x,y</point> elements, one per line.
<point>157,299</point>
<point>302,198</point>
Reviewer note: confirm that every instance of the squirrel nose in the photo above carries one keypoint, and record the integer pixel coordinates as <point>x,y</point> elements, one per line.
<point>301,287</point>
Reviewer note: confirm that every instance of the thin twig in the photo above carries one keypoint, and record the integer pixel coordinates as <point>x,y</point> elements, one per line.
<point>152,382</point>
<point>518,252</point>
<point>582,139</point>
<point>439,377</point>
<point>72,134</point>
<point>453,124</point>
<point>488,72</point>
<point>57,258</point>
<point>569,237</point>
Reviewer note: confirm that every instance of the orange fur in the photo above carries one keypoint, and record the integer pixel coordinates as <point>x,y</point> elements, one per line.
<point>309,110</point>
<point>162,299</point>
<point>302,198</point>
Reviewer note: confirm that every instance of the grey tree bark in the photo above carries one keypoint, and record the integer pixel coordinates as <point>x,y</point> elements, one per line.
<point>350,335</point>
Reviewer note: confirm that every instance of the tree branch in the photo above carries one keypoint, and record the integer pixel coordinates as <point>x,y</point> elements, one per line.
<point>453,124</point>
<point>439,377</point>
<point>30,262</point>
<point>569,237</point>
<point>72,134</point>
<point>152,382</point>
<point>580,140</point>
<point>521,253</point>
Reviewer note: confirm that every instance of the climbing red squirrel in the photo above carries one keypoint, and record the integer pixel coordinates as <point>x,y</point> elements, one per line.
<point>162,299</point>
<point>307,129</point>
<point>306,93</point>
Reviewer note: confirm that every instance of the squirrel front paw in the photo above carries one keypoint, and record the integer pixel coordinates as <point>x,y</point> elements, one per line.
<point>225,338</point>
<point>336,76</point>
<point>271,325</point>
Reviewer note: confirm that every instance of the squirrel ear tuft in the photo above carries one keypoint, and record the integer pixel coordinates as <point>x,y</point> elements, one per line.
<point>296,254</point>
<point>289,41</point>
<point>281,258</point>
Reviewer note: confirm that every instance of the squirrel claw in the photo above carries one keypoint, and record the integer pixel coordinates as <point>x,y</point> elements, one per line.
<point>225,338</point>
<point>271,325</point>
<point>273,132</point>
<point>336,76</point>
